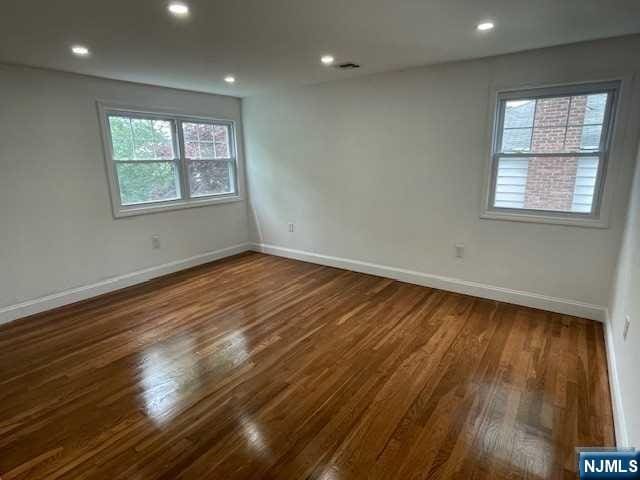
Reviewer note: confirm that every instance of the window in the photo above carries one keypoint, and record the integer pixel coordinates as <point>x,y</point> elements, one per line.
<point>161,162</point>
<point>549,153</point>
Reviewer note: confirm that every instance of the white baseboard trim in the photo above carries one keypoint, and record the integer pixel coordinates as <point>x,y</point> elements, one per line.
<point>543,302</point>
<point>622,437</point>
<point>49,302</point>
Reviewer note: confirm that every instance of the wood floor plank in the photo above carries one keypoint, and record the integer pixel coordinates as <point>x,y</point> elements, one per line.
<point>258,367</point>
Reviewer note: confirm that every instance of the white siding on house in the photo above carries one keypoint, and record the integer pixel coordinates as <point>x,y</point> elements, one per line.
<point>585,184</point>
<point>511,182</point>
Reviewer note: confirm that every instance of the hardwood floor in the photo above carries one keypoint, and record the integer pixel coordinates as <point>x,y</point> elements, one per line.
<point>258,367</point>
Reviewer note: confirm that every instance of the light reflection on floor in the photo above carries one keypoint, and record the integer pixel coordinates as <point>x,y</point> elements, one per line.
<point>253,436</point>
<point>171,372</point>
<point>534,455</point>
<point>330,473</point>
<point>164,375</point>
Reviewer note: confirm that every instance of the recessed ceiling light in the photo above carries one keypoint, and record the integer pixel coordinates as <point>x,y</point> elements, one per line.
<point>80,51</point>
<point>327,59</point>
<point>484,26</point>
<point>230,79</point>
<point>178,9</point>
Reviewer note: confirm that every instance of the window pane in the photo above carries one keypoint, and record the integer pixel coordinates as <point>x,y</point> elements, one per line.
<point>596,105</point>
<point>141,139</point>
<point>210,178</point>
<point>519,113</point>
<point>222,150</point>
<point>163,138</point>
<point>152,139</point>
<point>562,184</point>
<point>190,131</point>
<point>198,139</point>
<point>516,140</point>
<point>206,141</point>
<point>206,150</point>
<point>221,134</point>
<point>147,182</point>
<point>560,124</point>
<point>143,143</point>
<point>585,184</point>
<point>548,139</point>
<point>121,138</point>
<point>590,138</point>
<point>192,149</point>
<point>583,139</point>
<point>511,182</point>
<point>552,112</point>
<point>205,130</point>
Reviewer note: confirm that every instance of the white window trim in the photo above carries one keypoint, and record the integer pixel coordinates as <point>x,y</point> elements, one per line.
<point>600,216</point>
<point>186,201</point>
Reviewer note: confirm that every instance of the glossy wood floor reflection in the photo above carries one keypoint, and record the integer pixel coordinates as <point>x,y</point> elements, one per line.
<point>258,367</point>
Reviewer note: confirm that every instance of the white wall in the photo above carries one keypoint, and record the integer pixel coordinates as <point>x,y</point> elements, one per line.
<point>624,355</point>
<point>389,168</point>
<point>57,231</point>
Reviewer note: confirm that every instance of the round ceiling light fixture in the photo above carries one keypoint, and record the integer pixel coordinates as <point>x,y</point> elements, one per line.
<point>80,51</point>
<point>178,9</point>
<point>327,59</point>
<point>485,26</point>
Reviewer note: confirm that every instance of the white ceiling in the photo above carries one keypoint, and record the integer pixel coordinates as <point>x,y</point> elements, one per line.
<point>270,44</point>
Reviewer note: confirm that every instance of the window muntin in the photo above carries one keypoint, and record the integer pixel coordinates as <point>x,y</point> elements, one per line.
<point>550,149</point>
<point>159,160</point>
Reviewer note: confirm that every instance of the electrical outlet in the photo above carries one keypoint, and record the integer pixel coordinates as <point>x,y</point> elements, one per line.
<point>625,331</point>
<point>292,227</point>
<point>155,242</point>
<point>459,250</point>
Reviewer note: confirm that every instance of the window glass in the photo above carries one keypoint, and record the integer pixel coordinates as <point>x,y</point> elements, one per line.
<point>141,139</point>
<point>554,124</point>
<point>148,182</point>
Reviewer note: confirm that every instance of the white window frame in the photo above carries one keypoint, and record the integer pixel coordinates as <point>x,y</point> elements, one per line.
<point>186,200</point>
<point>597,218</point>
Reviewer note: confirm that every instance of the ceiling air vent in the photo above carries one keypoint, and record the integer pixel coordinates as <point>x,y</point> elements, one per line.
<point>348,66</point>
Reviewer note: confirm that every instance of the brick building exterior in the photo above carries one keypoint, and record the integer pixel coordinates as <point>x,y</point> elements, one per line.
<point>551,180</point>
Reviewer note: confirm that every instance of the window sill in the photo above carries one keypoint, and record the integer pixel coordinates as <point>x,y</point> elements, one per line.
<point>136,210</point>
<point>568,220</point>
